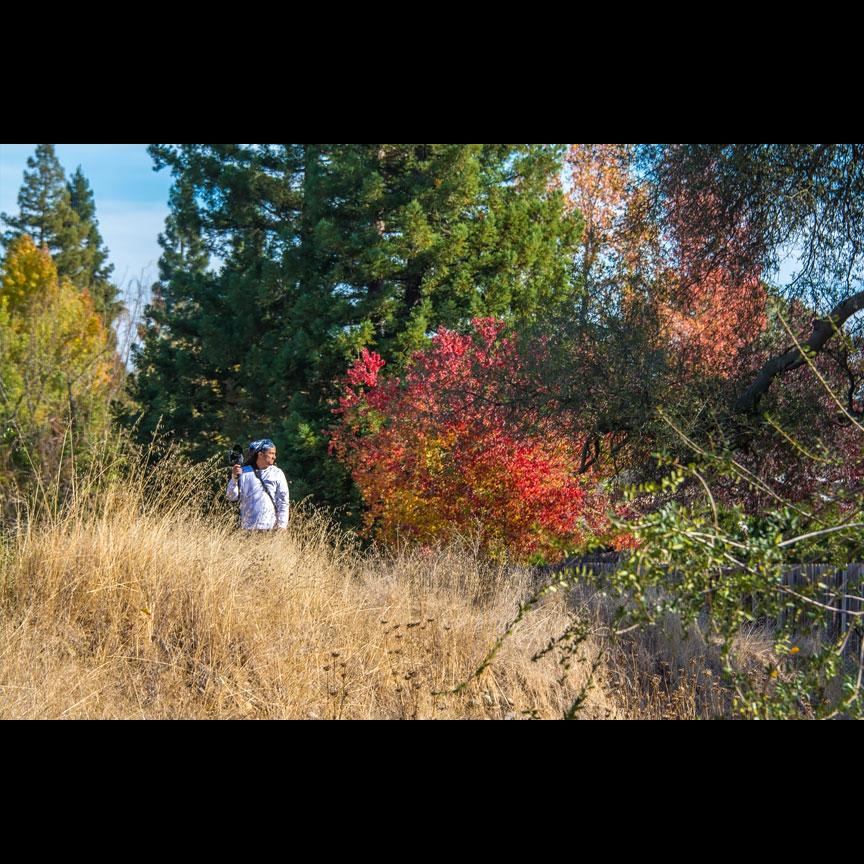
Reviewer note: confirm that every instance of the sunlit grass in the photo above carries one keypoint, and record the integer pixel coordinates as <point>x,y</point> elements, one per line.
<point>139,599</point>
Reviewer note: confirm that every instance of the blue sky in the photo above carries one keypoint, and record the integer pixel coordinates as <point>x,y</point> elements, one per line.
<point>131,200</point>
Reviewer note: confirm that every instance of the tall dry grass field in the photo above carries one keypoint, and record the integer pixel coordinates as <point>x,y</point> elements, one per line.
<point>132,601</point>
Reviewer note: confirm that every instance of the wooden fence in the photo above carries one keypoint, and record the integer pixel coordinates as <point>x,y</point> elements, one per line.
<point>840,595</point>
<point>837,591</point>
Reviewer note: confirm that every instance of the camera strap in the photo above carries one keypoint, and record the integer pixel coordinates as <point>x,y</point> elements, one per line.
<point>261,481</point>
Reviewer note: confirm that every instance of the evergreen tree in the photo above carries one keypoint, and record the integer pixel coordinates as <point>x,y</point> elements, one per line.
<point>43,202</point>
<point>61,217</point>
<point>85,262</point>
<point>327,248</point>
<point>166,371</point>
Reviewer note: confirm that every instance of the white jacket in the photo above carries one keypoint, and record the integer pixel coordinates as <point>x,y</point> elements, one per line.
<point>257,510</point>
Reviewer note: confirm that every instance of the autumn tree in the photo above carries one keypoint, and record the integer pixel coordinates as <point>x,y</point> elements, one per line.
<point>764,242</point>
<point>747,271</point>
<point>645,329</point>
<point>801,207</point>
<point>681,313</point>
<point>437,455</point>
<point>56,366</point>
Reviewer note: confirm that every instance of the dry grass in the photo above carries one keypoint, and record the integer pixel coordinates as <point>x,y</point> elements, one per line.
<point>134,609</point>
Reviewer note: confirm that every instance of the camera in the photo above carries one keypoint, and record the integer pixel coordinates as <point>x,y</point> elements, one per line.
<point>235,456</point>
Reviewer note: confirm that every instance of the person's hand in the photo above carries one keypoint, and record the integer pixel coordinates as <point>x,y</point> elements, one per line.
<point>236,471</point>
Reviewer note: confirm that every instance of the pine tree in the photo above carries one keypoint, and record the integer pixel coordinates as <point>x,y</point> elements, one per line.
<point>85,262</point>
<point>428,235</point>
<point>44,205</point>
<point>61,217</point>
<point>166,372</point>
<point>327,248</point>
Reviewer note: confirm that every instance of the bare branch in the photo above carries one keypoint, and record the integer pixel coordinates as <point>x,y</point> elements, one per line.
<point>823,330</point>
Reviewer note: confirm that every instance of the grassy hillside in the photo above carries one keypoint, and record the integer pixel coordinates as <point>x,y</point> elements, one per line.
<point>139,599</point>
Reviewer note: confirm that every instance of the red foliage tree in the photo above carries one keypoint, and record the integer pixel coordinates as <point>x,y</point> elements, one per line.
<point>448,450</point>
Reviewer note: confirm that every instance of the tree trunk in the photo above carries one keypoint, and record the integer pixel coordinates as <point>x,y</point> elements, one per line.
<point>823,330</point>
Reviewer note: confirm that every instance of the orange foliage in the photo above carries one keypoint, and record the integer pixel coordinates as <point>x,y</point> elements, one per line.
<point>714,326</point>
<point>719,308</point>
<point>710,312</point>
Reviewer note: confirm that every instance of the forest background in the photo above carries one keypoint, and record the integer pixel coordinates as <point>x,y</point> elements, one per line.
<point>543,349</point>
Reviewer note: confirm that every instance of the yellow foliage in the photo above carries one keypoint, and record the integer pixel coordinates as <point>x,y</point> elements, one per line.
<point>56,358</point>
<point>29,274</point>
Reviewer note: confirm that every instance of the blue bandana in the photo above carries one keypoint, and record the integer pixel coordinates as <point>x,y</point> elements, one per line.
<point>261,445</point>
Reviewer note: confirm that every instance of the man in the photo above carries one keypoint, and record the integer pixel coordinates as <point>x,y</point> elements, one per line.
<point>261,488</point>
